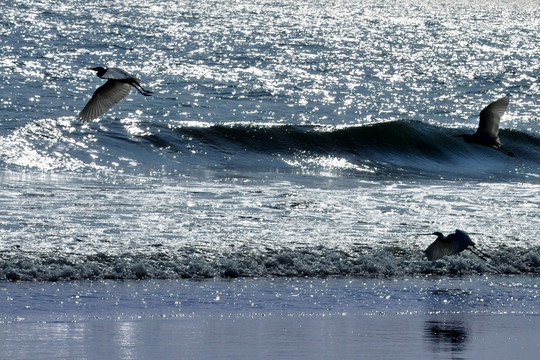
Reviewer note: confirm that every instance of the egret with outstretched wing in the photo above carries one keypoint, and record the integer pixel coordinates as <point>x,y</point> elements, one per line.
<point>117,87</point>
<point>451,245</point>
<point>487,133</point>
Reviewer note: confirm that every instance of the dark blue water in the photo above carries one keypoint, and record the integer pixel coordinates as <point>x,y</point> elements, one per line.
<point>282,139</point>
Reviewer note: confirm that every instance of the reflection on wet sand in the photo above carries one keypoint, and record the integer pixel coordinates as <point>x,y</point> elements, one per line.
<point>446,336</point>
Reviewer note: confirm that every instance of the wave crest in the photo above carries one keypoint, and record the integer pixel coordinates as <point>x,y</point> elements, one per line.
<point>389,149</point>
<point>303,262</point>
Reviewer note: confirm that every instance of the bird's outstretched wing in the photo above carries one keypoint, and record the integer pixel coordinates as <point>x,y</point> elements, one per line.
<point>490,118</point>
<point>437,250</point>
<point>103,99</point>
<point>459,241</point>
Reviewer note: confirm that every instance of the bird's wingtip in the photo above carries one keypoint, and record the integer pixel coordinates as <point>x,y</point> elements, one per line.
<point>80,118</point>
<point>505,100</point>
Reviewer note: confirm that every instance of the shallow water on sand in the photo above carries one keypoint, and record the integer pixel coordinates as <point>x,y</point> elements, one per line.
<point>408,318</point>
<point>273,337</point>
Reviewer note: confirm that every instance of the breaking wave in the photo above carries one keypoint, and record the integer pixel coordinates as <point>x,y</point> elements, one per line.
<point>301,262</point>
<point>387,149</point>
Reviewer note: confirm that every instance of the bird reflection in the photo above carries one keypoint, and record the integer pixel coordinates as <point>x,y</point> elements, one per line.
<point>446,336</point>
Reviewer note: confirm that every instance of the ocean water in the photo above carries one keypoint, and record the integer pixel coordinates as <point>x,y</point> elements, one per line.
<point>294,156</point>
<point>284,138</point>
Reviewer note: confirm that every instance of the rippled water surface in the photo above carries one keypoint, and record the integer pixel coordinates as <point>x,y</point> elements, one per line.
<point>346,62</point>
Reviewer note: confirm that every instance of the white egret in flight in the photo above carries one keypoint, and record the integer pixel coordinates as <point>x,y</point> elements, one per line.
<point>487,133</point>
<point>452,244</point>
<point>117,87</point>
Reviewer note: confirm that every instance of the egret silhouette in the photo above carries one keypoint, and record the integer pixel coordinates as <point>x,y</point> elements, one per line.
<point>452,244</point>
<point>117,87</point>
<point>487,133</point>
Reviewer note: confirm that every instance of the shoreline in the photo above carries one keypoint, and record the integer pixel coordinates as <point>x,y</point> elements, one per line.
<point>408,318</point>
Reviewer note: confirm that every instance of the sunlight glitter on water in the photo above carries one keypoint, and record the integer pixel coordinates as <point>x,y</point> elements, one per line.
<point>340,61</point>
<point>224,161</point>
